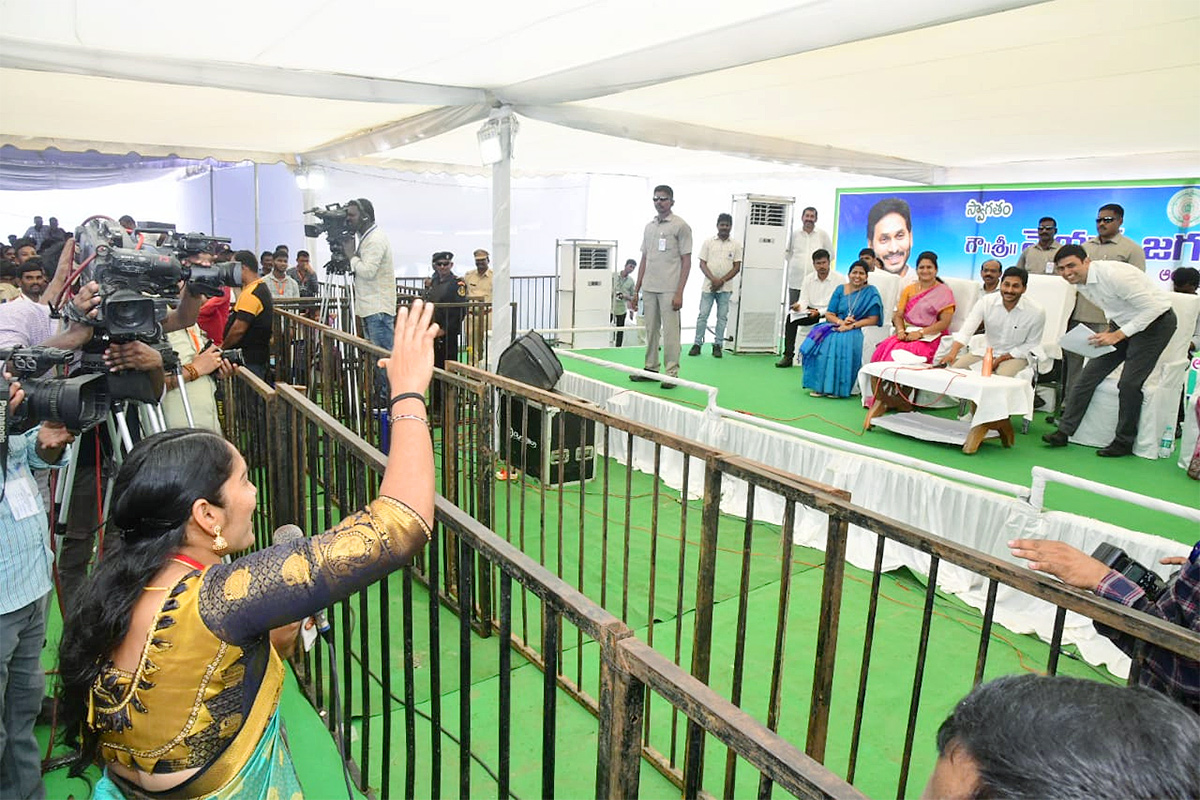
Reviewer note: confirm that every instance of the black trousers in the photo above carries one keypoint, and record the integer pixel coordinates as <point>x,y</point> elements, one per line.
<point>1139,353</point>
<point>619,319</point>
<point>789,331</point>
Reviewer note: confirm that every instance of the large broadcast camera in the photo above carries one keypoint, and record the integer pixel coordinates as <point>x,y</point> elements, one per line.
<point>332,221</point>
<point>137,278</point>
<point>79,403</point>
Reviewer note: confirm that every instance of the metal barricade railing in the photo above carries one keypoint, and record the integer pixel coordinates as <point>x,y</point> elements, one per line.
<point>587,532</point>
<point>664,533</point>
<point>412,716</point>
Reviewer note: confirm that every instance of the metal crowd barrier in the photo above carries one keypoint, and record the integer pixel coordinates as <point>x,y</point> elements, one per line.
<point>410,670</point>
<point>596,500</point>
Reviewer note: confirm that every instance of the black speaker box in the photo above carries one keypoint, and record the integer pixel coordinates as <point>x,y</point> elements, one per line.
<point>530,360</point>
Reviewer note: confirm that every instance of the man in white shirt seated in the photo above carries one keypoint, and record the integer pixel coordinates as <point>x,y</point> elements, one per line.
<point>1141,323</point>
<point>810,307</point>
<point>1013,326</point>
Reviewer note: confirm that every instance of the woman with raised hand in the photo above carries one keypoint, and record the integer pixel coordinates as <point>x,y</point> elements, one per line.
<point>168,676</point>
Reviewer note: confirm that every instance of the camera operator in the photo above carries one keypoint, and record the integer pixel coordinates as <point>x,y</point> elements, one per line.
<point>1164,671</point>
<point>250,323</point>
<point>374,276</point>
<point>198,360</point>
<point>25,561</point>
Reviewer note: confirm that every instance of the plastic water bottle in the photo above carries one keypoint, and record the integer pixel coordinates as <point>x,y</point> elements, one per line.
<point>1166,445</point>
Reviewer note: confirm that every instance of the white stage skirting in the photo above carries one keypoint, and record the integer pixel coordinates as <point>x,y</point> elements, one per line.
<point>982,519</point>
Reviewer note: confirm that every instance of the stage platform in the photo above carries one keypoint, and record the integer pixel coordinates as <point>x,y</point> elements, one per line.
<point>753,385</point>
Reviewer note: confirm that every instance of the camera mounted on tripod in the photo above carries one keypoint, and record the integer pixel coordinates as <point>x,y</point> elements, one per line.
<point>137,278</point>
<point>332,221</point>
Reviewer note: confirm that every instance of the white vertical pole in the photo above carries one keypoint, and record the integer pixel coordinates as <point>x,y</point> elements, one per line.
<point>501,243</point>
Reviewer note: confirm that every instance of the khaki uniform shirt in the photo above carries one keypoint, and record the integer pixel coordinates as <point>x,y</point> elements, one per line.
<point>1036,261</point>
<point>665,243</point>
<point>479,287</point>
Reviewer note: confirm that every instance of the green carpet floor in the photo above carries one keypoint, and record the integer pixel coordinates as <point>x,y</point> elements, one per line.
<point>751,384</point>
<point>954,637</point>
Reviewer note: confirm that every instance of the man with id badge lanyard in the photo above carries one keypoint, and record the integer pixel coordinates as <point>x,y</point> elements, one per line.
<point>662,274</point>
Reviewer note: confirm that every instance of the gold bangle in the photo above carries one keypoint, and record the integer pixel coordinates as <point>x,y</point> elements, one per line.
<point>394,418</point>
<point>190,373</point>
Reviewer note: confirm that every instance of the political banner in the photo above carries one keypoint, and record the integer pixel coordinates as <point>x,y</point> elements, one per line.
<point>967,225</point>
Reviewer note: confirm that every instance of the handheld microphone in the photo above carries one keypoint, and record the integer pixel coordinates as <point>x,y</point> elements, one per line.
<point>290,533</point>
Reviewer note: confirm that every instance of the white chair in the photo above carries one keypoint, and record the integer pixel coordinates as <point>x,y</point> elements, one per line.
<point>1160,392</point>
<point>888,286</point>
<point>966,293</point>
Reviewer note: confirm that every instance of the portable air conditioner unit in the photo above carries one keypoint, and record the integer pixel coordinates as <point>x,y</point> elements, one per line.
<point>755,313</point>
<point>585,270</point>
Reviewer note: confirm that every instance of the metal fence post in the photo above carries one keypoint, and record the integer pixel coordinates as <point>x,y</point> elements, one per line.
<point>710,517</point>
<point>827,630</point>
<point>622,701</point>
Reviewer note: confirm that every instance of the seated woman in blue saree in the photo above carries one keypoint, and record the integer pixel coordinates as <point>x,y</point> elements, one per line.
<point>832,353</point>
<point>169,677</point>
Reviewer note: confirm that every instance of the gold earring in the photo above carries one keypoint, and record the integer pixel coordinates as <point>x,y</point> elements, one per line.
<point>219,543</point>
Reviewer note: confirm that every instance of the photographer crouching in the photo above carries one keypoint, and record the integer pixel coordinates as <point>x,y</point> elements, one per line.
<point>1177,602</point>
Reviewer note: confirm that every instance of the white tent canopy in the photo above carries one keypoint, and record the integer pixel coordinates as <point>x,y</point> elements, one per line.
<point>927,92</point>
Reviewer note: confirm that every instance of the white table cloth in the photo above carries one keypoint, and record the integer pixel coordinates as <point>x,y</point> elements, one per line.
<point>995,397</point>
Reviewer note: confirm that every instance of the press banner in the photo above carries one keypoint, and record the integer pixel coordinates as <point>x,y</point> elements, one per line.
<point>967,225</point>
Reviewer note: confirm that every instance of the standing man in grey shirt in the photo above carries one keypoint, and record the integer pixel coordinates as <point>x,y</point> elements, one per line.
<point>662,274</point>
<point>1038,258</point>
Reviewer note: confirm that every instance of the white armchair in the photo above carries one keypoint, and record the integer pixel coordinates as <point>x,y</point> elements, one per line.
<point>1160,393</point>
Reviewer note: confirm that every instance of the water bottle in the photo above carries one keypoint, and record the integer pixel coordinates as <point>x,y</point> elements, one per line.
<point>1167,444</point>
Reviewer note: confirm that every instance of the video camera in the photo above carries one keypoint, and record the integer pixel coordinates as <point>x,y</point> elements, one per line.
<point>332,221</point>
<point>79,403</point>
<point>136,278</point>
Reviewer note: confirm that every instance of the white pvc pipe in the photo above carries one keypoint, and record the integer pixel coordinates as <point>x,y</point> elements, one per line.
<point>602,329</point>
<point>710,407</point>
<point>1043,476</point>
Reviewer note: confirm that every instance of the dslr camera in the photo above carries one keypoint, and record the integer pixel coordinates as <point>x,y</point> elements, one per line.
<point>1114,557</point>
<point>80,402</point>
<point>332,222</point>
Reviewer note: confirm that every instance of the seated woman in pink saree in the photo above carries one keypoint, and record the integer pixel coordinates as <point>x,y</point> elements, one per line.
<point>922,315</point>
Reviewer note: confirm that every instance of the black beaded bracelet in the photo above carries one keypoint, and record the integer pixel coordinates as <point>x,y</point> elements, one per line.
<point>406,396</point>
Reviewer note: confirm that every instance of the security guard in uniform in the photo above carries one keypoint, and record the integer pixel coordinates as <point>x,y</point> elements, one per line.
<point>448,293</point>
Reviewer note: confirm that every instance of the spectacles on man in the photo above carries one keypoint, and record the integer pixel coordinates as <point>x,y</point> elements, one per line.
<point>441,263</point>
<point>1105,220</point>
<point>1047,228</point>
<point>662,199</point>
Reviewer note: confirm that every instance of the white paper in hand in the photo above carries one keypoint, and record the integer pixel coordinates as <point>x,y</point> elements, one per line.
<point>1076,340</point>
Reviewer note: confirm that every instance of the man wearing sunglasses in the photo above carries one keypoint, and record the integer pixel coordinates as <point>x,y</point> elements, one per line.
<point>662,274</point>
<point>448,293</point>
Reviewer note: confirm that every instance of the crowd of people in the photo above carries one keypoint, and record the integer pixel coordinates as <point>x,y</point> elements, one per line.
<point>1115,298</point>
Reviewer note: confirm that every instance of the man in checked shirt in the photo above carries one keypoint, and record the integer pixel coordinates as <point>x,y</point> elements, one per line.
<point>1164,671</point>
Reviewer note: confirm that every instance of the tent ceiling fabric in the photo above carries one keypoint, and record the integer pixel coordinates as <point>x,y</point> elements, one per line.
<point>912,93</point>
